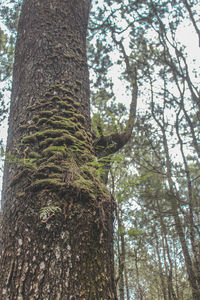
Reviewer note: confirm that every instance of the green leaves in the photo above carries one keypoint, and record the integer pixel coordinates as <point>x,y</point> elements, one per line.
<point>137,180</point>
<point>108,116</point>
<point>134,233</point>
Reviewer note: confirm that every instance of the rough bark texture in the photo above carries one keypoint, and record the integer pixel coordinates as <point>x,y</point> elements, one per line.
<point>57,214</point>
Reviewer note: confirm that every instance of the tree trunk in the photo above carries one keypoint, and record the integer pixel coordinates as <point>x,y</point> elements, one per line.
<point>139,288</point>
<point>161,271</point>
<point>121,257</point>
<point>57,226</point>
<point>126,281</point>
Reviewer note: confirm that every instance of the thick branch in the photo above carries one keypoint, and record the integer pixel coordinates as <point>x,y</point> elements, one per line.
<point>110,144</point>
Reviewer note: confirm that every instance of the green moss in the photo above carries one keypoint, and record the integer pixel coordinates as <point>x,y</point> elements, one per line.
<point>77,149</point>
<point>43,102</point>
<point>67,113</point>
<point>80,118</point>
<point>29,139</point>
<point>65,90</point>
<point>86,156</point>
<point>46,142</point>
<point>69,139</point>
<point>59,154</point>
<point>42,121</point>
<point>34,155</point>
<point>89,147</point>
<point>65,148</point>
<point>59,141</point>
<point>64,139</point>
<point>56,157</point>
<point>79,82</point>
<point>50,133</point>
<point>29,127</point>
<point>18,176</point>
<point>30,163</point>
<point>76,104</point>
<point>64,124</point>
<point>56,176</point>
<point>50,167</point>
<point>69,55</point>
<point>36,118</point>
<point>48,94</point>
<point>30,107</point>
<point>51,183</point>
<point>23,126</point>
<point>20,194</point>
<point>32,127</point>
<point>58,118</point>
<point>55,98</point>
<point>103,191</point>
<point>46,113</point>
<point>65,105</point>
<point>83,184</point>
<point>90,172</point>
<point>85,188</point>
<point>79,135</point>
<point>53,149</point>
<point>69,100</point>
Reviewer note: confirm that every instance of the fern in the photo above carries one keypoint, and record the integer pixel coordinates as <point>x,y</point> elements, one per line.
<point>47,211</point>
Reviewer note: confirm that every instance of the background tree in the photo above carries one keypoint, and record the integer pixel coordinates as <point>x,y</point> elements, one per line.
<point>170,123</point>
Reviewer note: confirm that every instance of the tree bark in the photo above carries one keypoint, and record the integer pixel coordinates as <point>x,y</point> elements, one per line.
<point>161,271</point>
<point>57,227</point>
<point>121,253</point>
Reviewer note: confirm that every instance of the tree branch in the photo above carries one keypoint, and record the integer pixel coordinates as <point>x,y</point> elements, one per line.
<point>110,144</point>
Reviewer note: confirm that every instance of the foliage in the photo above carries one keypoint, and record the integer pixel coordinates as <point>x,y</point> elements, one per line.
<point>48,211</point>
<point>8,23</point>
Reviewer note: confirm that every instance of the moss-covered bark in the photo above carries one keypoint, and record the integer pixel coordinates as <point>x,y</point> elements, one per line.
<point>57,214</point>
<point>62,237</point>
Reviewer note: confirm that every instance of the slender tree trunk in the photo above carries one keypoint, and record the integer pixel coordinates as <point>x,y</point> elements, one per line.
<point>120,254</point>
<point>175,211</point>
<point>121,277</point>
<point>122,269</point>
<point>140,291</point>
<point>57,214</point>
<point>166,252</point>
<point>126,282</point>
<point>161,271</point>
<point>188,261</point>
